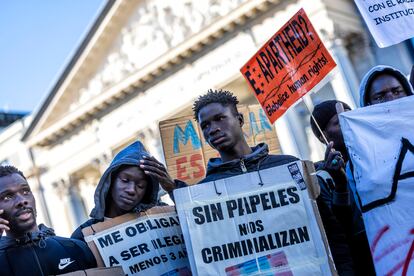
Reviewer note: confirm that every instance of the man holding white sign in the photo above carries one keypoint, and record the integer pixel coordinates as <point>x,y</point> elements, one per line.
<point>217,115</point>
<point>374,137</point>
<point>380,143</point>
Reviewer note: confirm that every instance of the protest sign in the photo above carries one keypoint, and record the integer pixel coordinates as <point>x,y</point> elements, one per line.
<point>288,66</point>
<point>380,140</point>
<point>389,21</point>
<point>255,225</point>
<point>151,243</point>
<point>186,153</point>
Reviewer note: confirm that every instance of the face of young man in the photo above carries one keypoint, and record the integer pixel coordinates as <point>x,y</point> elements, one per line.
<point>128,190</point>
<point>333,133</point>
<point>18,203</point>
<point>221,127</point>
<point>385,88</point>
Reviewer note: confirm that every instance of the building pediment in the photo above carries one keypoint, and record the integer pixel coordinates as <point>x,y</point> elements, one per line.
<point>131,43</point>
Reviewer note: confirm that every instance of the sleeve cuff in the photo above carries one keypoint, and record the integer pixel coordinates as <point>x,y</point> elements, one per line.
<point>178,184</point>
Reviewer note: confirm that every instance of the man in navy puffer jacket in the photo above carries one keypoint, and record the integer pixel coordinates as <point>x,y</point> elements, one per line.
<point>221,124</point>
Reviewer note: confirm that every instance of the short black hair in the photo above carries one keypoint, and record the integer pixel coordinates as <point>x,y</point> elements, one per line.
<point>224,97</point>
<point>9,170</point>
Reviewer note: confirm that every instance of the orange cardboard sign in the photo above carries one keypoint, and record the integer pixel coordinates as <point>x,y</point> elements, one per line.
<point>288,66</point>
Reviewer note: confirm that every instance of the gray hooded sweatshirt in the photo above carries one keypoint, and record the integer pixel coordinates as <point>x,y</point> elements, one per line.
<point>131,155</point>
<point>378,70</point>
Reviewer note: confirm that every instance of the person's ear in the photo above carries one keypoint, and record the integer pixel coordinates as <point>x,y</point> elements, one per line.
<point>240,117</point>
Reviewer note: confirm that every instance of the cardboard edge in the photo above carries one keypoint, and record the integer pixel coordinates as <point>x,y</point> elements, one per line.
<point>114,271</point>
<point>314,190</point>
<point>324,238</point>
<point>311,180</point>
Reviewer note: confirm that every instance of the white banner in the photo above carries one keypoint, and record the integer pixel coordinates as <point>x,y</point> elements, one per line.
<point>380,141</point>
<point>150,245</point>
<point>247,225</point>
<point>390,21</point>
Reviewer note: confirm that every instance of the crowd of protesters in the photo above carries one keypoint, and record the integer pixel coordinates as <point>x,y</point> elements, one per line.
<point>130,184</point>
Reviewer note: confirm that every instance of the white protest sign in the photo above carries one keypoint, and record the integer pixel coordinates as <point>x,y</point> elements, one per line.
<point>152,244</point>
<point>389,21</point>
<point>253,225</point>
<point>380,141</point>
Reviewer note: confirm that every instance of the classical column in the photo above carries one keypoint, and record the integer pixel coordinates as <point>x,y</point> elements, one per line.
<point>41,191</point>
<point>286,135</point>
<point>68,192</point>
<point>345,82</point>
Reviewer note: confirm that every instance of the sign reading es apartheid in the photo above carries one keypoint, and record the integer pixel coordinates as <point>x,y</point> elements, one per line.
<point>151,243</point>
<point>186,153</point>
<point>389,21</point>
<point>288,66</point>
<point>255,224</point>
<point>380,142</point>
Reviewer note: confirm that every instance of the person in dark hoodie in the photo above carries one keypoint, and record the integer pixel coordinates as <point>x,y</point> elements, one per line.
<point>31,249</point>
<point>383,84</point>
<point>221,123</point>
<point>123,188</point>
<point>380,84</point>
<point>334,184</point>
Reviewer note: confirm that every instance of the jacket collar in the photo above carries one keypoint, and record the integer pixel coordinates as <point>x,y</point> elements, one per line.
<point>37,237</point>
<point>216,165</point>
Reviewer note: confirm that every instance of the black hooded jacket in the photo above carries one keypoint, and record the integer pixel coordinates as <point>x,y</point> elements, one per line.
<point>42,253</point>
<point>260,159</point>
<point>131,155</point>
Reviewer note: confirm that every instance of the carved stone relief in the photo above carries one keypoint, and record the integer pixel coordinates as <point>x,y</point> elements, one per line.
<point>153,29</point>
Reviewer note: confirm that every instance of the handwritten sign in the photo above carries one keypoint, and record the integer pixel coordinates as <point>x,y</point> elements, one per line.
<point>288,66</point>
<point>151,244</point>
<point>187,153</point>
<point>235,226</point>
<point>380,143</point>
<point>389,21</point>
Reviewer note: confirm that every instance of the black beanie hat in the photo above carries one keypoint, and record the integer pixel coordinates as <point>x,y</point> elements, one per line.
<point>322,113</point>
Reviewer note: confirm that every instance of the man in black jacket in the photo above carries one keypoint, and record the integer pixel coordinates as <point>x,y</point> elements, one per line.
<point>28,248</point>
<point>334,184</point>
<point>221,124</point>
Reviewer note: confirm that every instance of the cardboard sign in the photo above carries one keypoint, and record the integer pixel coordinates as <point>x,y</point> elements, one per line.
<point>235,226</point>
<point>380,142</point>
<point>288,66</point>
<point>388,20</point>
<point>150,244</point>
<point>186,153</point>
<point>100,271</point>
